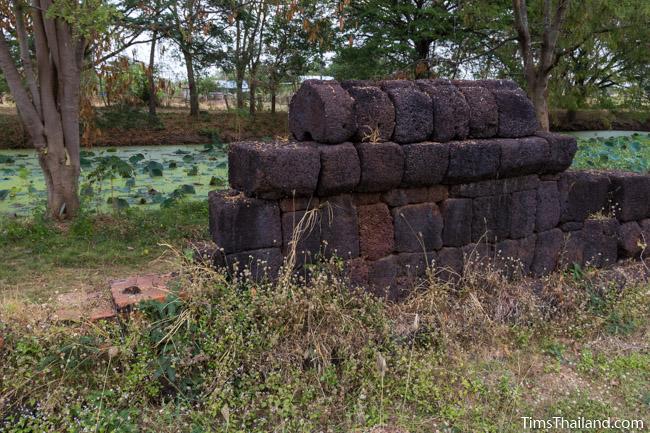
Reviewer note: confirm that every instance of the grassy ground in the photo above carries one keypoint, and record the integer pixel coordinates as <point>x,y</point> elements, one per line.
<point>40,259</point>
<point>237,357</point>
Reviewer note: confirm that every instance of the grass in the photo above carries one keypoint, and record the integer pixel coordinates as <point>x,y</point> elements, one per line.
<point>40,258</point>
<point>243,357</point>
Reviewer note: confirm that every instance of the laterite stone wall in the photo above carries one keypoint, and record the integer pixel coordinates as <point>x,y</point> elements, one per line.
<point>396,177</point>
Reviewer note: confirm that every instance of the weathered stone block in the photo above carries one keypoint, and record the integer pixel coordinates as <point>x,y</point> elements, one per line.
<point>582,194</point>
<point>322,111</point>
<point>339,227</point>
<point>516,114</point>
<point>349,84</point>
<point>303,230</point>
<point>514,257</point>
<point>375,231</point>
<point>483,112</point>
<point>548,206</point>
<point>571,226</point>
<point>239,223</point>
<point>340,169</point>
<point>522,156</point>
<point>523,212</point>
<point>573,250</point>
<point>418,228</point>
<point>425,163</point>
<point>629,239</point>
<point>600,243</point>
<point>562,147</point>
<point>457,217</point>
<point>403,196</point>
<point>471,161</point>
<point>438,193</point>
<point>495,186</point>
<point>356,270</point>
<point>382,165</point>
<point>449,265</point>
<point>295,204</point>
<point>478,256</point>
<point>273,170</point>
<point>491,218</point>
<point>450,111</point>
<point>630,195</point>
<point>361,198</point>
<point>395,276</point>
<point>258,265</point>
<point>413,114</point>
<point>374,113</point>
<point>548,248</point>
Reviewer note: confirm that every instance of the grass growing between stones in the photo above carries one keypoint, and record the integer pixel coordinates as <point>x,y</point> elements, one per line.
<point>293,357</point>
<point>39,257</point>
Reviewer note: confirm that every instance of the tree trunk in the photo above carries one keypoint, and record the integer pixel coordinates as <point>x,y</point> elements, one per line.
<point>191,82</point>
<point>152,84</point>
<point>239,78</point>
<point>273,96</point>
<point>538,94</point>
<point>252,90</point>
<point>61,179</point>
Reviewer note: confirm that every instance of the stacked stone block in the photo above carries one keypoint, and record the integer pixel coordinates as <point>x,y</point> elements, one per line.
<point>398,177</point>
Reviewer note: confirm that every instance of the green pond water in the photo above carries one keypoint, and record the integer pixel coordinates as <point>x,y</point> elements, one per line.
<point>147,176</point>
<point>132,176</point>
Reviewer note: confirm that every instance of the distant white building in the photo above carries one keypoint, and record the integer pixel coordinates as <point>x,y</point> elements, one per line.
<point>315,77</point>
<point>232,85</point>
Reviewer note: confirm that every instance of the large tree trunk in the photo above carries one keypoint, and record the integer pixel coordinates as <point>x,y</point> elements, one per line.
<point>539,95</point>
<point>49,103</point>
<point>191,82</point>
<point>252,90</point>
<point>152,83</point>
<point>273,97</point>
<point>62,181</point>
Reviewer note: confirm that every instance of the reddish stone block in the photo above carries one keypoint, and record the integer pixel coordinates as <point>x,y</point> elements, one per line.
<point>404,196</point>
<point>548,206</point>
<point>339,227</point>
<point>582,194</point>
<point>483,112</point>
<point>523,156</point>
<point>374,113</point>
<point>131,291</point>
<point>495,187</point>
<point>357,271</point>
<point>457,217</point>
<point>340,169</point>
<point>256,265</point>
<point>491,218</point>
<point>630,195</point>
<point>375,231</point>
<point>382,165</point>
<point>418,228</point>
<point>273,170</point>
<point>425,163</point>
<point>523,212</point>
<point>413,114</point>
<point>438,193</point>
<point>304,231</point>
<point>600,242</point>
<point>295,204</point>
<point>362,198</point>
<point>471,161</point>
<point>449,264</point>
<point>239,223</point>
<point>322,111</point>
<point>547,252</point>
<point>562,147</point>
<point>516,114</point>
<point>450,110</point>
<point>629,239</point>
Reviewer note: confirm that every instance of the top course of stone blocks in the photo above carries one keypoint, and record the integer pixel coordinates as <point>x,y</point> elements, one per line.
<point>404,112</point>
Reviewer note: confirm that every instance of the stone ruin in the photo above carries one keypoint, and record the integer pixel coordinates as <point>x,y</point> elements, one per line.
<point>400,177</point>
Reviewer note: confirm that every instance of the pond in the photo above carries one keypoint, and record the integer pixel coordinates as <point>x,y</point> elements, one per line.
<point>146,176</point>
<point>141,176</point>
